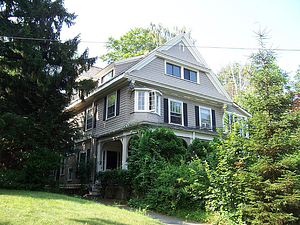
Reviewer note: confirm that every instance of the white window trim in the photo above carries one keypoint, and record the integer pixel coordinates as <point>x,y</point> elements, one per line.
<point>104,159</point>
<point>169,109</point>
<point>147,91</point>
<point>69,176</point>
<point>115,112</point>
<point>85,158</point>
<point>200,119</point>
<point>102,78</point>
<point>86,119</point>
<point>239,116</point>
<point>181,47</point>
<point>182,72</point>
<point>63,166</point>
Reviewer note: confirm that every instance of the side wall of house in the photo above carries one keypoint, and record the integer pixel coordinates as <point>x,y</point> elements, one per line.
<point>107,126</point>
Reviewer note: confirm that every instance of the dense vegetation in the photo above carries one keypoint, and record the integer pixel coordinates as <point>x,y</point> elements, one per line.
<point>234,179</point>
<point>37,77</point>
<point>238,179</point>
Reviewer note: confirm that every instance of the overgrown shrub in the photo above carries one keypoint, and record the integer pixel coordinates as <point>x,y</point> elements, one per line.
<point>114,179</point>
<point>162,178</point>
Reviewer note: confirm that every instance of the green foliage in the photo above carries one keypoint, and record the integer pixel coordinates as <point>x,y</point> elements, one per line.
<point>226,175</point>
<point>137,41</point>
<point>201,149</point>
<point>37,77</point>
<point>114,179</point>
<point>153,150</point>
<point>162,178</point>
<point>236,79</point>
<point>272,194</point>
<point>85,87</point>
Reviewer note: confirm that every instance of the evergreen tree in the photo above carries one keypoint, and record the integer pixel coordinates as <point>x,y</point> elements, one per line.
<point>272,194</point>
<point>37,76</point>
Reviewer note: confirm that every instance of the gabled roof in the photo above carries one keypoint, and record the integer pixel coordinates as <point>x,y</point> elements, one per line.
<point>202,66</point>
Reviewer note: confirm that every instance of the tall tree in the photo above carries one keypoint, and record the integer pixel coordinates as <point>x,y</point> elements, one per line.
<point>235,79</point>
<point>37,76</point>
<point>137,41</point>
<point>272,195</point>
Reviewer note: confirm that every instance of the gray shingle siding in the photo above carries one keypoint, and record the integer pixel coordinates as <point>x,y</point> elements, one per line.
<point>184,55</point>
<point>155,71</point>
<point>117,122</point>
<point>120,68</point>
<point>191,111</point>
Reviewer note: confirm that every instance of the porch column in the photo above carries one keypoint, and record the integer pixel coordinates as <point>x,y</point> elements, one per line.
<point>98,158</point>
<point>124,152</point>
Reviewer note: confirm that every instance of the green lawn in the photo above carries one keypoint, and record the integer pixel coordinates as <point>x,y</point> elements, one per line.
<point>29,207</point>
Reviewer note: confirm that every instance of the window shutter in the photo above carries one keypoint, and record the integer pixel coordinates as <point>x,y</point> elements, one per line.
<point>166,110</point>
<point>185,115</point>
<point>213,116</point>
<point>197,117</point>
<point>104,108</point>
<point>95,115</point>
<point>84,121</point>
<point>118,103</point>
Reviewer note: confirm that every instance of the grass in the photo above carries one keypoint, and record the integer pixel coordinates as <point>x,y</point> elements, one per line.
<point>29,207</point>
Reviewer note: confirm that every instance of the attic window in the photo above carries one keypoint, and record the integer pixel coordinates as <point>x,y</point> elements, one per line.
<point>173,70</point>
<point>181,47</point>
<point>107,77</point>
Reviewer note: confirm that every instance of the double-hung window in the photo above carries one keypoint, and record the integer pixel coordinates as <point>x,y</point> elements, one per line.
<point>89,119</point>
<point>190,75</point>
<point>173,70</point>
<point>182,72</point>
<point>176,112</point>
<point>141,100</point>
<point>147,101</point>
<point>111,105</point>
<point>205,118</point>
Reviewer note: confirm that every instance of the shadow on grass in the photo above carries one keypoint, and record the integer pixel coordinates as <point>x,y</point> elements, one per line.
<point>43,195</point>
<point>97,221</point>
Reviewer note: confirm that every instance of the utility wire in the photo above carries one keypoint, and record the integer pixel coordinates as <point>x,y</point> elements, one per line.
<point>197,46</point>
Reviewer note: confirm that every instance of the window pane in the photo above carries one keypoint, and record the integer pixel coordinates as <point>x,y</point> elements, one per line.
<point>157,104</point>
<point>151,101</point>
<point>173,70</point>
<point>141,100</point>
<point>193,76</point>
<point>175,112</point>
<point>169,69</point>
<point>110,111</point>
<point>176,70</point>
<point>190,75</point>
<point>111,102</point>
<point>107,76</point>
<point>205,118</point>
<point>186,74</point>
<point>89,119</point>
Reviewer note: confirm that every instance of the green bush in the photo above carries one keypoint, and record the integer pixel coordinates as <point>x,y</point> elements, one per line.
<point>114,179</point>
<point>162,177</point>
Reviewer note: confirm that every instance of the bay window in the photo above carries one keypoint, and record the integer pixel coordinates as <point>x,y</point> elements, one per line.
<point>147,100</point>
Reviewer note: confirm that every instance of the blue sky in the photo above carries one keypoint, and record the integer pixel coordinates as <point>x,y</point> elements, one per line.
<point>214,23</point>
